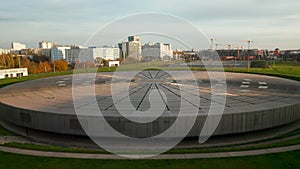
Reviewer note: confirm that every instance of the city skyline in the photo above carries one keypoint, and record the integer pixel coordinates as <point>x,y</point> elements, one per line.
<point>269,24</point>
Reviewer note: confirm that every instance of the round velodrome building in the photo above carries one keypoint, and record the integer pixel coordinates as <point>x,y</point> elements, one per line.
<point>253,103</point>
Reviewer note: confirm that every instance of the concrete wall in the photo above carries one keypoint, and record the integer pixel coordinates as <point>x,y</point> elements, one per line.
<point>231,123</point>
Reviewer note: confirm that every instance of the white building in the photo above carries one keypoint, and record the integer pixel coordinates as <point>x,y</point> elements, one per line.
<point>114,63</point>
<point>46,45</point>
<point>17,46</point>
<point>152,51</point>
<point>90,54</point>
<point>4,51</point>
<point>107,53</point>
<point>10,73</point>
<point>58,53</point>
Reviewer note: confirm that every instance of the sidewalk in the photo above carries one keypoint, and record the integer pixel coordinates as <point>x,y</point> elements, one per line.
<point>163,156</point>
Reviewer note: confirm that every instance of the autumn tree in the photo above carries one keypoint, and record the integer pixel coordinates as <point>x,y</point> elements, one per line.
<point>10,61</point>
<point>17,61</point>
<point>44,67</point>
<point>61,65</point>
<point>104,62</point>
<point>3,61</point>
<point>25,62</point>
<point>33,68</point>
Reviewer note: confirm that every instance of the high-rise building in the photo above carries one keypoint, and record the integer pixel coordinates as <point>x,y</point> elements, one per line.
<point>58,53</point>
<point>79,54</point>
<point>46,45</point>
<point>152,51</point>
<point>132,48</point>
<point>17,46</point>
<point>45,52</point>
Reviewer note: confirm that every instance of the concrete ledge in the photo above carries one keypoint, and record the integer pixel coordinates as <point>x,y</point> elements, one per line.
<point>162,156</point>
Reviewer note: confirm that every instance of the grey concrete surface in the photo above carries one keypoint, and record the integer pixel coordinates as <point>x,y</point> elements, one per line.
<point>253,102</point>
<point>162,156</point>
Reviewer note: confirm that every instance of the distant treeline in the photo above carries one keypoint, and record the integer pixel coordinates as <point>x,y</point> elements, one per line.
<point>35,65</point>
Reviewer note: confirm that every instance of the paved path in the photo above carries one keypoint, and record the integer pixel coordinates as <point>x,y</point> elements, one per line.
<point>163,156</point>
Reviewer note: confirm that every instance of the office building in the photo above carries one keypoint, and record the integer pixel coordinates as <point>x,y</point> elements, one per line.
<point>107,53</point>
<point>17,46</point>
<point>58,53</point>
<point>153,51</point>
<point>81,54</point>
<point>132,48</point>
<point>46,45</point>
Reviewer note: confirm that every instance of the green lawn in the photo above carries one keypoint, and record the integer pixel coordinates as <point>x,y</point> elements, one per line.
<point>281,69</point>
<point>5,82</point>
<point>287,160</point>
<point>4,132</point>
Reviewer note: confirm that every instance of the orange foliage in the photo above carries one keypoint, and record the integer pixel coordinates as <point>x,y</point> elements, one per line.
<point>44,67</point>
<point>61,65</point>
<point>33,68</point>
<point>25,62</point>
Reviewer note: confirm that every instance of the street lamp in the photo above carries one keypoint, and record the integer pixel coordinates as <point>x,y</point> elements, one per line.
<point>53,64</point>
<point>238,55</point>
<point>54,67</point>
<point>212,43</point>
<point>248,59</point>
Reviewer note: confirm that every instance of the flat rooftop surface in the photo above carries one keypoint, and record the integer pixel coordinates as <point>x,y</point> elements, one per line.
<point>244,92</point>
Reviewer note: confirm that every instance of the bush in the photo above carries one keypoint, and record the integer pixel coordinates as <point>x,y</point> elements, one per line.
<point>258,64</point>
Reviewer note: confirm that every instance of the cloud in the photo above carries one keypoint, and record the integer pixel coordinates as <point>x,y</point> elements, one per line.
<point>35,20</point>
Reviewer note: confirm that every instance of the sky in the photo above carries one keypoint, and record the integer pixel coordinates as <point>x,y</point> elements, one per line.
<point>269,24</point>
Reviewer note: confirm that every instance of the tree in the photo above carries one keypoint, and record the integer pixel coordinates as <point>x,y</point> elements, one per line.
<point>104,62</point>
<point>44,67</point>
<point>39,59</point>
<point>33,68</point>
<point>3,61</point>
<point>25,62</point>
<point>10,61</point>
<point>17,61</point>
<point>61,65</point>
<point>98,61</point>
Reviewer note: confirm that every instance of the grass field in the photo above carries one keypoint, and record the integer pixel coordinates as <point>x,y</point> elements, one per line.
<point>282,69</point>
<point>4,132</point>
<point>287,160</point>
